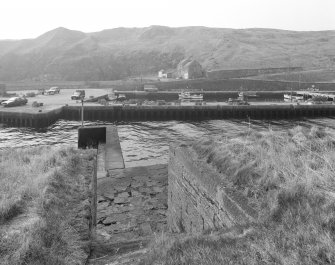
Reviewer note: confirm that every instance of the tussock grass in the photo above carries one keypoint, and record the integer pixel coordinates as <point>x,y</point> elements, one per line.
<point>289,177</point>
<point>44,207</point>
<point>23,174</point>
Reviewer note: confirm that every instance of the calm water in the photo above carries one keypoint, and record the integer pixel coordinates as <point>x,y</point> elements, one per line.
<point>147,143</point>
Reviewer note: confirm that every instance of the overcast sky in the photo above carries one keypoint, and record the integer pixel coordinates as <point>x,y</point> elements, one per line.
<point>31,18</point>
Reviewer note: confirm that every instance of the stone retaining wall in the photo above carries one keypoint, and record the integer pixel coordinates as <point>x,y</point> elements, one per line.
<point>198,198</point>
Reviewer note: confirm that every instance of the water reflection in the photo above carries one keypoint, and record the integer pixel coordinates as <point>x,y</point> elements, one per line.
<point>147,143</point>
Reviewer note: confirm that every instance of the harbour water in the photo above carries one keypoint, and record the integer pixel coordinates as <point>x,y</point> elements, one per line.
<point>147,143</point>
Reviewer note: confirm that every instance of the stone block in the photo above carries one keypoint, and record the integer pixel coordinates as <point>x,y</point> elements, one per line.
<point>146,229</point>
<point>120,200</point>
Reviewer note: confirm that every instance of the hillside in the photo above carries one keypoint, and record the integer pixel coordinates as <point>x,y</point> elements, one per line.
<point>63,54</point>
<point>319,75</point>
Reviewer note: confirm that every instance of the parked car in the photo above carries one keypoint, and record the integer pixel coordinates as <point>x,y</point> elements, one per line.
<point>78,94</point>
<point>52,91</point>
<point>15,101</point>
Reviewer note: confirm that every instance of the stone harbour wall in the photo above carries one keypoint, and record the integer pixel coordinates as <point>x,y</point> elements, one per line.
<point>198,198</point>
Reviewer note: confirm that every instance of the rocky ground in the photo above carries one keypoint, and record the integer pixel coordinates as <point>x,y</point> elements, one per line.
<point>132,207</point>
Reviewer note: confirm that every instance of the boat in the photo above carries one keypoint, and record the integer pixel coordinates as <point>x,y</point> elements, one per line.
<point>190,96</point>
<point>241,100</point>
<point>294,98</point>
<point>111,95</point>
<point>313,89</point>
<point>121,97</point>
<point>248,94</point>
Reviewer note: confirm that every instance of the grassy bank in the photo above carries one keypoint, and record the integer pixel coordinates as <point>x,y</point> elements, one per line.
<point>44,206</point>
<point>290,179</point>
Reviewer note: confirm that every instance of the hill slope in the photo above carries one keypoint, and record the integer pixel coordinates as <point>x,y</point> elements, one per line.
<point>63,54</point>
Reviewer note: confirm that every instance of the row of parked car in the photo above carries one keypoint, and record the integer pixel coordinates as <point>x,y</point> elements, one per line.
<point>19,101</point>
<point>77,95</point>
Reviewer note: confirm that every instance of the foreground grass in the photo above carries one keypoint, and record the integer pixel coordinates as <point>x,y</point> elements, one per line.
<point>290,178</point>
<point>44,206</point>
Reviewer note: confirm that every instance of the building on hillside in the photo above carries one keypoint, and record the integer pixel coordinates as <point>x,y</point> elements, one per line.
<point>189,69</point>
<point>150,88</point>
<point>2,89</point>
<point>164,74</point>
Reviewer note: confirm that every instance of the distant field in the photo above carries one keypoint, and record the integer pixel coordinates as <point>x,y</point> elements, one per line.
<point>326,75</point>
<point>269,82</point>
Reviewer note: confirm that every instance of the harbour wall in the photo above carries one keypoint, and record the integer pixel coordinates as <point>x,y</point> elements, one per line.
<point>236,84</point>
<point>199,199</point>
<point>166,112</point>
<point>205,112</point>
<point>33,120</point>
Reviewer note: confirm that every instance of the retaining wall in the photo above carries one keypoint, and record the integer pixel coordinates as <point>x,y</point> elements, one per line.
<point>35,120</point>
<point>198,198</point>
<point>173,112</point>
<point>165,112</point>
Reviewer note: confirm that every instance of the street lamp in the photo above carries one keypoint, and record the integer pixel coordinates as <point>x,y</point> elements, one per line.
<point>82,111</point>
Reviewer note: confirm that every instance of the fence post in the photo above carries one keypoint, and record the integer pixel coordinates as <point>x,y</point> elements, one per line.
<point>94,196</point>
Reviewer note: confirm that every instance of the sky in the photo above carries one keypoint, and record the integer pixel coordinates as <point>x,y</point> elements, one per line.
<point>21,19</point>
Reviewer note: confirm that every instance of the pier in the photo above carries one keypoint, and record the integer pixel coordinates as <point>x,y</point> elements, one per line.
<point>129,204</point>
<point>166,112</point>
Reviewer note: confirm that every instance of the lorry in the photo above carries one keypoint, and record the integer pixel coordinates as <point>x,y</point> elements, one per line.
<point>78,94</point>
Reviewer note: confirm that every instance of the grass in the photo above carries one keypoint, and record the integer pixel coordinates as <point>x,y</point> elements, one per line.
<point>290,179</point>
<point>320,75</point>
<point>44,206</point>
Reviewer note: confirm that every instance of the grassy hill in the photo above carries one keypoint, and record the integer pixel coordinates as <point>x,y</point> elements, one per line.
<point>63,54</point>
<point>319,75</point>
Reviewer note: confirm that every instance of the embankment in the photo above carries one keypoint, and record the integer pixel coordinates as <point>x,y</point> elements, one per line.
<point>45,205</point>
<point>287,177</point>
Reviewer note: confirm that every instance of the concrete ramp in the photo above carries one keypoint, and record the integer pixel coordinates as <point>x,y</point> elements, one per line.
<point>113,152</point>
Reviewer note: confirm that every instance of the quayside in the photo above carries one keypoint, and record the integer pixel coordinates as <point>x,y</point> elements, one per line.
<point>164,112</point>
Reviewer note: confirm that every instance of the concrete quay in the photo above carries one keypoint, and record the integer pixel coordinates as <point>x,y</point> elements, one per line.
<point>34,119</point>
<point>117,113</point>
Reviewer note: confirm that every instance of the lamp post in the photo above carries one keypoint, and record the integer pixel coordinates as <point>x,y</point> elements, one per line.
<point>82,112</point>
